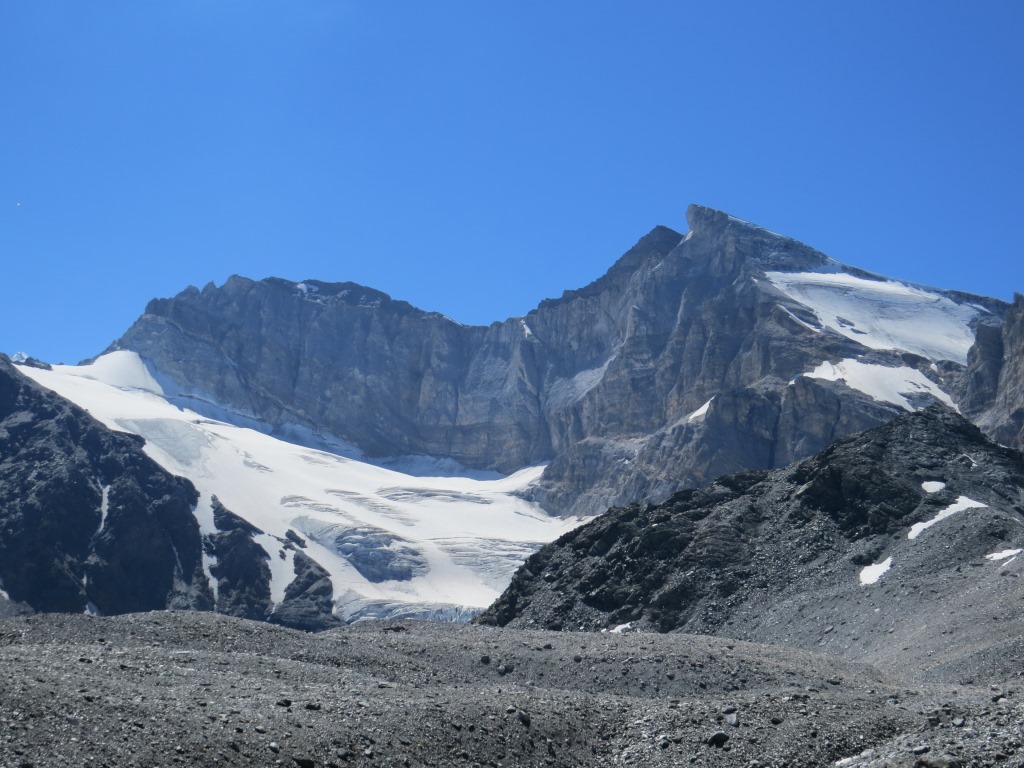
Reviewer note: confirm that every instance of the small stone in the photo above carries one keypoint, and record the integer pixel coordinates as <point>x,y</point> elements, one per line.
<point>260,729</point>
<point>733,719</point>
<point>273,747</point>
<point>921,749</point>
<point>485,659</point>
<point>304,762</point>
<point>284,702</point>
<point>524,717</point>
<point>776,720</point>
<point>577,658</point>
<point>313,707</point>
<point>959,722</point>
<point>718,739</point>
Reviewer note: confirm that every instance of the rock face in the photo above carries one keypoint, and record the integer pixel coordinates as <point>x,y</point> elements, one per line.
<point>683,362</point>
<point>87,520</point>
<point>995,378</point>
<point>918,522</point>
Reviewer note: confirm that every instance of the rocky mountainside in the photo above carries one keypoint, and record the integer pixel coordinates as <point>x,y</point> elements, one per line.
<point>730,348</point>
<point>902,544</point>
<point>90,524</point>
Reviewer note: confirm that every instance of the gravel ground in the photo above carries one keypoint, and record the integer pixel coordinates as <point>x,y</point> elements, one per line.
<point>198,689</point>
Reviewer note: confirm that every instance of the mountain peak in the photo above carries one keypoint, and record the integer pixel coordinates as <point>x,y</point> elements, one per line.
<point>701,219</point>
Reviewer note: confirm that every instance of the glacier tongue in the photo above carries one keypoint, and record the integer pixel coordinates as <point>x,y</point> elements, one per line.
<point>393,544</point>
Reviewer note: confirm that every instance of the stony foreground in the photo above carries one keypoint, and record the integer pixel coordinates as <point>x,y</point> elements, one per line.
<point>180,689</point>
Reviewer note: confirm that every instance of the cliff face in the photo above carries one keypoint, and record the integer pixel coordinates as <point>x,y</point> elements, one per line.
<point>995,394</point>
<point>685,361</point>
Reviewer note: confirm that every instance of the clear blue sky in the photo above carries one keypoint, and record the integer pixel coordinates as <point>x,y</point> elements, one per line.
<point>475,157</point>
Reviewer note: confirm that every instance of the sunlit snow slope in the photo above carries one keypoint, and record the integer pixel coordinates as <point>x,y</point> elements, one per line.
<point>884,314</point>
<point>392,543</point>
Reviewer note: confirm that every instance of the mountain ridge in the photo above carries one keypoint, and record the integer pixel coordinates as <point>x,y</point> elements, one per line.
<point>593,383</point>
<point>917,522</point>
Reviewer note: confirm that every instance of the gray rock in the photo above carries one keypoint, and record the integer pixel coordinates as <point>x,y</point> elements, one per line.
<point>995,395</point>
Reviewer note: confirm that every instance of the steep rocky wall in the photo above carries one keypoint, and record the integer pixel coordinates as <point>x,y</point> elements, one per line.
<point>997,365</point>
<point>601,384</point>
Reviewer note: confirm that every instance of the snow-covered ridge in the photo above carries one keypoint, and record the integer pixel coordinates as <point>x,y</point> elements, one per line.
<point>457,530</point>
<point>884,314</point>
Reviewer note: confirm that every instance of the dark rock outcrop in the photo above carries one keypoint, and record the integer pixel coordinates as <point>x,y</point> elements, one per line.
<point>241,570</point>
<point>307,603</point>
<point>780,556</point>
<point>88,522</point>
<point>602,384</point>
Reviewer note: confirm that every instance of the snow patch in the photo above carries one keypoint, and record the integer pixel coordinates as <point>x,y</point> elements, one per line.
<point>104,509</point>
<point>961,504</point>
<point>932,486</point>
<point>870,574</point>
<point>889,385</point>
<point>282,568</point>
<point>700,412</point>
<point>526,329</point>
<point>883,314</point>
<point>1004,554</point>
<point>121,369</point>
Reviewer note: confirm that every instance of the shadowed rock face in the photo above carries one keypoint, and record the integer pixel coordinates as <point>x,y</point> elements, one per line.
<point>87,520</point>
<point>995,378</point>
<point>600,383</point>
<point>783,556</point>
